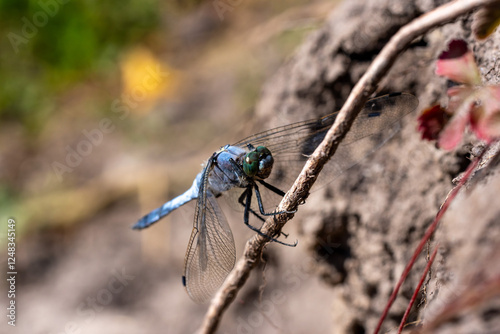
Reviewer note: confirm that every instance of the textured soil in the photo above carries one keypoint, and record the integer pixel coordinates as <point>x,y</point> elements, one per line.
<point>355,234</point>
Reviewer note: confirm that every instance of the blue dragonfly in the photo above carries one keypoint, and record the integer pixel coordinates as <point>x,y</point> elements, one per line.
<point>264,159</point>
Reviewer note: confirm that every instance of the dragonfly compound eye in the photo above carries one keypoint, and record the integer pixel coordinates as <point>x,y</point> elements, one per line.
<point>258,162</point>
<point>266,162</point>
<point>251,163</point>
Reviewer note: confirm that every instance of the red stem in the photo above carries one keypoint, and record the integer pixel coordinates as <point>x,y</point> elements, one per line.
<point>417,289</point>
<point>428,233</point>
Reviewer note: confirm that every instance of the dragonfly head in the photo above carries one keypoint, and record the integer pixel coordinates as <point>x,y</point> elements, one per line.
<point>258,163</point>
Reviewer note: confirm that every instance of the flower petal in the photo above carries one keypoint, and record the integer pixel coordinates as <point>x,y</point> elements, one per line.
<point>457,95</point>
<point>432,121</point>
<point>492,101</point>
<point>485,117</point>
<point>452,134</point>
<point>458,64</point>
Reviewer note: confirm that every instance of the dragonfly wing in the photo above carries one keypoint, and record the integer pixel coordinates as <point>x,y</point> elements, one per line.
<point>292,144</point>
<point>378,122</point>
<point>211,252</point>
<point>289,139</point>
<point>380,115</point>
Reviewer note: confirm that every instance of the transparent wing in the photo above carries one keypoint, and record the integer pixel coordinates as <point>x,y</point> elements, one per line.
<point>211,252</point>
<point>292,144</point>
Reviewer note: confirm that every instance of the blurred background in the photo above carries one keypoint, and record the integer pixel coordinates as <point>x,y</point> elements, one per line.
<point>108,109</point>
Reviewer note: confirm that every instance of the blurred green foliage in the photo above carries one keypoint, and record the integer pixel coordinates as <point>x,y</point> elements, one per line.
<point>48,45</point>
<point>63,63</point>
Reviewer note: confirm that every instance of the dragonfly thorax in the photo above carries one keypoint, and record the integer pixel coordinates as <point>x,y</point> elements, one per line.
<point>258,163</point>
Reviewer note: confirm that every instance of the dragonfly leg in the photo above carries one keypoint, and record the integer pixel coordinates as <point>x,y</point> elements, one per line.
<point>261,206</point>
<point>246,214</point>
<point>241,200</point>
<point>248,189</point>
<point>273,189</point>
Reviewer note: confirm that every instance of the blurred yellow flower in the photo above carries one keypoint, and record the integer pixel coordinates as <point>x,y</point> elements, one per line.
<point>145,80</point>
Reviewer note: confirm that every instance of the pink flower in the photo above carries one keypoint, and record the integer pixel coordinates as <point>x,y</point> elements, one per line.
<point>471,104</point>
<point>432,121</point>
<point>458,64</point>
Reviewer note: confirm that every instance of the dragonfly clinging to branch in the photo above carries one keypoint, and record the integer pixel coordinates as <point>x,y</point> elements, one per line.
<point>261,160</point>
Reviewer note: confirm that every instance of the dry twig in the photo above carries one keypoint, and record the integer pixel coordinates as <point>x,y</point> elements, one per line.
<point>300,189</point>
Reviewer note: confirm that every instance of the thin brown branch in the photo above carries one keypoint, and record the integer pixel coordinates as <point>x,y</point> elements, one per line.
<point>300,189</point>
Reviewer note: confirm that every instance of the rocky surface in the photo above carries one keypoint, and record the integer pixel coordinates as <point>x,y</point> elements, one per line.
<point>363,230</point>
<point>355,234</point>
